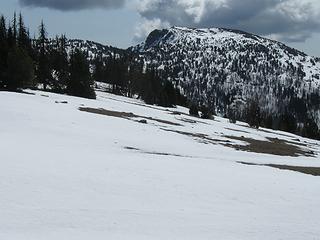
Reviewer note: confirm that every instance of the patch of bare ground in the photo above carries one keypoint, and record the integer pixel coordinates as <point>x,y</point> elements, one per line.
<point>187,120</point>
<point>157,153</point>
<point>137,104</point>
<point>124,115</point>
<point>314,171</point>
<point>109,113</point>
<point>61,102</point>
<point>236,130</point>
<point>162,121</point>
<point>292,140</point>
<point>271,146</point>
<point>200,137</point>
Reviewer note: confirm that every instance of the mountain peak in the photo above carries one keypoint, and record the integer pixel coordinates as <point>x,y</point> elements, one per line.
<point>213,36</point>
<point>223,67</point>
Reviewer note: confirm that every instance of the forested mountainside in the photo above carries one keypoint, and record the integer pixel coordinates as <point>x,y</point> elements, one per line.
<point>225,69</point>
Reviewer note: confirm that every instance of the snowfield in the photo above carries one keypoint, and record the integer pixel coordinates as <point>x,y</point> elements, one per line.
<point>101,174</point>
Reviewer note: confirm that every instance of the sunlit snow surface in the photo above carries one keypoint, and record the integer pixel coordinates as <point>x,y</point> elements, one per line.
<point>72,175</point>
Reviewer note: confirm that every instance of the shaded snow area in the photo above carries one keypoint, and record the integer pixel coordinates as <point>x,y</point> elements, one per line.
<point>119,169</point>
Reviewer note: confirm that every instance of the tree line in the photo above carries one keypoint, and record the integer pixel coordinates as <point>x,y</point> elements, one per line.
<point>52,65</point>
<point>33,63</point>
<point>127,76</point>
<point>289,120</point>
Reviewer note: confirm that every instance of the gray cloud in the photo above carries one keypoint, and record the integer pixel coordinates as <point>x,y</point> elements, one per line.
<point>68,5</point>
<point>289,20</point>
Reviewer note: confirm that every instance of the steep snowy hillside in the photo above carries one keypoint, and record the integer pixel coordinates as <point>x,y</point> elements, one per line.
<point>115,168</point>
<point>225,68</point>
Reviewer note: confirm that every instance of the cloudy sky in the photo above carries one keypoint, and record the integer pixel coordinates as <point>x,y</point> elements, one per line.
<point>122,23</point>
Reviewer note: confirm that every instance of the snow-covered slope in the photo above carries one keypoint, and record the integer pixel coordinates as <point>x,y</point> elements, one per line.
<point>101,173</point>
<point>223,67</point>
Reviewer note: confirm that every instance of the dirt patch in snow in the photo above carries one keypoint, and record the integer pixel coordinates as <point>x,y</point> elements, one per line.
<point>237,130</point>
<point>109,113</point>
<point>124,115</point>
<point>157,153</point>
<point>314,171</point>
<point>271,146</point>
<point>162,121</point>
<point>200,137</point>
<point>188,120</point>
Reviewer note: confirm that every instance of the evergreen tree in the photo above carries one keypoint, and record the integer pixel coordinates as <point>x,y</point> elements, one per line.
<point>3,30</point>
<point>80,83</point>
<point>3,50</point>
<point>205,112</point>
<point>43,70</point>
<point>253,114</point>
<point>231,114</point>
<point>170,92</point>
<point>288,122</point>
<point>194,110</point>
<point>151,88</point>
<point>99,70</point>
<point>10,37</point>
<point>14,28</point>
<point>135,77</point>
<point>59,64</point>
<point>20,71</point>
<point>23,35</point>
<point>310,129</point>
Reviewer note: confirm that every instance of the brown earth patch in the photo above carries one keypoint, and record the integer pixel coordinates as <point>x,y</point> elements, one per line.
<point>109,113</point>
<point>236,130</point>
<point>158,153</point>
<point>200,137</point>
<point>272,146</point>
<point>314,171</point>
<point>124,115</point>
<point>292,140</point>
<point>187,120</point>
<point>163,121</point>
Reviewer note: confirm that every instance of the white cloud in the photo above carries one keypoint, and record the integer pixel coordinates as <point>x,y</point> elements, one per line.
<point>146,26</point>
<point>294,20</point>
